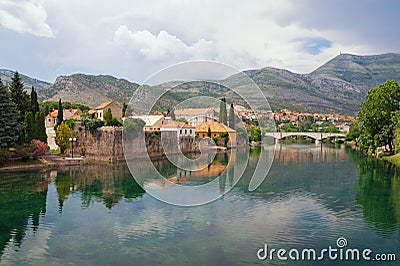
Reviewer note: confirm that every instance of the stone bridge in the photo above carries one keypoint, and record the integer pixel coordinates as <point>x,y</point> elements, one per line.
<point>317,136</point>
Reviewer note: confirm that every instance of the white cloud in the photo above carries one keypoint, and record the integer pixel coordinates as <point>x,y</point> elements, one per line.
<point>162,46</point>
<point>24,16</point>
<point>134,39</point>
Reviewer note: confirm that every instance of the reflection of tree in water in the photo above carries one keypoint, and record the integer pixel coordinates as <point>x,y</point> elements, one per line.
<point>378,192</point>
<point>21,198</point>
<point>108,183</point>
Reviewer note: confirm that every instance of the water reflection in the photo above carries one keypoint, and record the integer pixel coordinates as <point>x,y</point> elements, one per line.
<point>97,214</point>
<point>22,202</point>
<point>378,192</point>
<point>107,183</point>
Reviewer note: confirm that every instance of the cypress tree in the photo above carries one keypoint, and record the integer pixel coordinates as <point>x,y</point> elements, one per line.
<point>46,110</point>
<point>232,117</point>
<point>34,101</point>
<point>29,125</point>
<point>60,115</point>
<point>124,107</point>
<point>222,112</point>
<point>40,128</point>
<point>107,116</point>
<point>9,114</point>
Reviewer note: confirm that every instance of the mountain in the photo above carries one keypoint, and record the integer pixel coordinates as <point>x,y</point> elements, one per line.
<point>363,72</point>
<point>89,89</point>
<point>337,86</point>
<point>39,85</point>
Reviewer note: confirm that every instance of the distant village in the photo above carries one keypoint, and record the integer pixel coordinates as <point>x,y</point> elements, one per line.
<point>198,123</point>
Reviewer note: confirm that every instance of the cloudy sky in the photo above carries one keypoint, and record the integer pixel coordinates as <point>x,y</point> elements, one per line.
<point>134,39</point>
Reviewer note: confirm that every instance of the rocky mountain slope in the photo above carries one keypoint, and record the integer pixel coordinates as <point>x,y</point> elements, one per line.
<point>338,86</point>
<point>88,89</point>
<point>39,85</point>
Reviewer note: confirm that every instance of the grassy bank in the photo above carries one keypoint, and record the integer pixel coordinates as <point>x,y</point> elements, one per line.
<point>394,159</point>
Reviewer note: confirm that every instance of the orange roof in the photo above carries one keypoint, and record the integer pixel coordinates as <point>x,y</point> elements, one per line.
<point>103,105</point>
<point>67,113</point>
<point>176,124</point>
<point>215,127</point>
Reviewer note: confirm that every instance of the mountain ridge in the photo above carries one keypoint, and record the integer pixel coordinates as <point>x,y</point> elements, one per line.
<point>339,85</point>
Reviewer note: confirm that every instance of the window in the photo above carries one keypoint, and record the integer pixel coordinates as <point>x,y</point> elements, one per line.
<point>190,131</point>
<point>49,119</point>
<point>180,131</point>
<point>99,114</point>
<point>185,131</point>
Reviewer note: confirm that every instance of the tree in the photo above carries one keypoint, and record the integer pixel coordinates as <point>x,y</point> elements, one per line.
<point>107,116</point>
<point>378,115</point>
<point>355,129</point>
<point>232,117</point>
<point>63,133</point>
<point>114,122</point>
<point>40,128</point>
<point>124,107</point>
<point>19,96</point>
<point>60,115</point>
<point>29,125</point>
<point>34,101</point>
<point>9,114</point>
<point>21,99</point>
<point>172,114</point>
<point>255,133</point>
<point>132,128</point>
<point>222,112</point>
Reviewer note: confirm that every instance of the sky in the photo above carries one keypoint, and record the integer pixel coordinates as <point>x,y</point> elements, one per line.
<point>134,39</point>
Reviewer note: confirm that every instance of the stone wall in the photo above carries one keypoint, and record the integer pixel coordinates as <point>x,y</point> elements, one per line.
<point>105,144</point>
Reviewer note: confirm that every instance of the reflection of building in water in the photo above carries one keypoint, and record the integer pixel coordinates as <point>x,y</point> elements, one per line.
<point>307,153</point>
<point>205,172</point>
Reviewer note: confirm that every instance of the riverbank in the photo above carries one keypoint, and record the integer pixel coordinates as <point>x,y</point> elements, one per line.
<point>394,159</point>
<point>44,162</point>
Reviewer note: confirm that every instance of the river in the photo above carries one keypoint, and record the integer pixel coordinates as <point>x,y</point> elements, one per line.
<point>99,215</point>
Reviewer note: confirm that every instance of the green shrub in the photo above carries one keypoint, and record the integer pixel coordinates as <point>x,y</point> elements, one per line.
<point>5,155</point>
<point>92,125</point>
<point>82,151</point>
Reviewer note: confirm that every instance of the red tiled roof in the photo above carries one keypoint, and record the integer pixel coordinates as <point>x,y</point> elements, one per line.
<point>176,124</point>
<point>103,105</point>
<point>215,127</point>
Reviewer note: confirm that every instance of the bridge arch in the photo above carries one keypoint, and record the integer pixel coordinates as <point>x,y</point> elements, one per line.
<point>317,136</point>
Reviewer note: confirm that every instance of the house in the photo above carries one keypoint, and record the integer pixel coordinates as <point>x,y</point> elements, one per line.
<point>98,112</point>
<point>182,132</point>
<point>51,118</point>
<point>216,128</point>
<point>182,129</point>
<point>195,116</point>
<point>153,122</point>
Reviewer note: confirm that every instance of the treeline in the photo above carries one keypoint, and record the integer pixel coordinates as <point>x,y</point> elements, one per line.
<point>378,120</point>
<point>20,117</point>
<point>49,106</point>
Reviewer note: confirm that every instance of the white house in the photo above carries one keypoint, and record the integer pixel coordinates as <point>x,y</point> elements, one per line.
<point>195,116</point>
